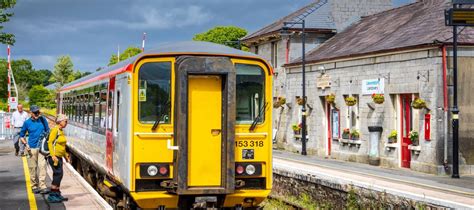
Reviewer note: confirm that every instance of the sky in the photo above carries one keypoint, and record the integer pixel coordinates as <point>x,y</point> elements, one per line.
<point>90,31</point>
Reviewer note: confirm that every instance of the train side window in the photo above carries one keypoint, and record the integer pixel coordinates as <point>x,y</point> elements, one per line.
<point>96,118</point>
<point>250,91</point>
<point>118,111</point>
<point>154,92</point>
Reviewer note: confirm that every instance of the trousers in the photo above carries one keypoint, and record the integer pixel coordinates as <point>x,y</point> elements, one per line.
<point>19,146</point>
<point>37,166</point>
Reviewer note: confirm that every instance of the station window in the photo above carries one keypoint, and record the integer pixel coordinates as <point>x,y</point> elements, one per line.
<point>154,92</point>
<point>250,93</point>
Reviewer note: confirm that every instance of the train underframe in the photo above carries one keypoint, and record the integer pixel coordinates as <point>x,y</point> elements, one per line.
<point>119,198</point>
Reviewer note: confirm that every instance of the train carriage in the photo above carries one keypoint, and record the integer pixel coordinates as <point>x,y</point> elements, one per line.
<point>184,125</point>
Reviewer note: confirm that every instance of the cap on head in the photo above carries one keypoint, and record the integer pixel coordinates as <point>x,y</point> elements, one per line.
<point>61,117</point>
<point>34,108</point>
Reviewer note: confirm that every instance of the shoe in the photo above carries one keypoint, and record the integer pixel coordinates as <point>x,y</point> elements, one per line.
<point>62,197</point>
<point>36,190</point>
<point>44,191</point>
<point>16,153</point>
<point>54,198</point>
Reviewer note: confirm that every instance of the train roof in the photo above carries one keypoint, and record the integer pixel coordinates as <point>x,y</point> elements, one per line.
<point>188,47</point>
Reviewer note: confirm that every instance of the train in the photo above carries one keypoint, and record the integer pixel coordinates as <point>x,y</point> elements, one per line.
<point>186,125</point>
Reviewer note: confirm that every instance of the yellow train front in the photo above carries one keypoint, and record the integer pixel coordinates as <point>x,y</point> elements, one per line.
<point>187,124</point>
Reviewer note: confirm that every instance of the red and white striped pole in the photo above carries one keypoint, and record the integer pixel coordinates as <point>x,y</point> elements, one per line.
<point>8,78</point>
<point>143,42</point>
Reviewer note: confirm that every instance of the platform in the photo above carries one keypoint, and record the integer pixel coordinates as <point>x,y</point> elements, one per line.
<point>15,189</point>
<point>440,190</point>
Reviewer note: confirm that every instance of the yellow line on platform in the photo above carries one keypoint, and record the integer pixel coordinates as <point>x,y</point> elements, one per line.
<point>31,196</point>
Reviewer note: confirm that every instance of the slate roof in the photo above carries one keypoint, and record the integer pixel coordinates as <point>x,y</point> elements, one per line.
<point>315,20</point>
<point>414,25</point>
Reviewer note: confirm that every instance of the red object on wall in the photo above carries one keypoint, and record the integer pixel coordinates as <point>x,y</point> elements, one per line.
<point>427,127</point>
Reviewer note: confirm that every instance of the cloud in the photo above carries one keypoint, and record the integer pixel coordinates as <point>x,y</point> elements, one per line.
<point>140,18</point>
<point>40,61</point>
<point>163,18</point>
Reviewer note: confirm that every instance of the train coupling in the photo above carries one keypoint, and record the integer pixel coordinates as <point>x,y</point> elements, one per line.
<point>239,183</point>
<point>169,184</point>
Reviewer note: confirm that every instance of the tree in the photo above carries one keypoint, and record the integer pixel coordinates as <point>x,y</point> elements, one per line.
<point>6,38</point>
<point>25,76</point>
<point>41,96</point>
<point>226,35</point>
<point>129,52</point>
<point>63,71</point>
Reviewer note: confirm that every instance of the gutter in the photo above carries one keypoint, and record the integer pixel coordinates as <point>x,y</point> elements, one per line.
<point>361,55</point>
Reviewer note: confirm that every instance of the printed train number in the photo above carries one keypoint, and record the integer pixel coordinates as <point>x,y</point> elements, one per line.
<point>249,144</point>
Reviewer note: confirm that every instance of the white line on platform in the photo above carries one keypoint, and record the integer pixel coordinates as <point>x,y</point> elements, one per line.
<point>99,198</point>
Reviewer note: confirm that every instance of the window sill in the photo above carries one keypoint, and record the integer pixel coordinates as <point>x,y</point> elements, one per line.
<point>391,146</point>
<point>350,142</point>
<point>415,149</point>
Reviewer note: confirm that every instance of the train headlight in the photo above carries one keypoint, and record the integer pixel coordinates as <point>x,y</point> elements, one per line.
<point>152,170</point>
<point>250,169</point>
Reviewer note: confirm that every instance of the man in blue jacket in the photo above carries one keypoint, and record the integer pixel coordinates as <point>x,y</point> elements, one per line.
<point>35,126</point>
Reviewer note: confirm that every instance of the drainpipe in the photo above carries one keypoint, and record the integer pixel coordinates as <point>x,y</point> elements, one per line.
<point>287,52</point>
<point>445,108</point>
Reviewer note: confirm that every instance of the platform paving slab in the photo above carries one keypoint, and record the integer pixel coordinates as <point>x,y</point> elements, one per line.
<point>13,187</point>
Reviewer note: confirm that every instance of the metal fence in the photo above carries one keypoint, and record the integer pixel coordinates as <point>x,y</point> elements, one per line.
<point>6,128</point>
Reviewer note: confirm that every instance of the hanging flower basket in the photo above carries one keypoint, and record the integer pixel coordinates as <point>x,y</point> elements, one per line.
<point>392,137</point>
<point>280,102</point>
<point>299,100</point>
<point>378,98</point>
<point>355,135</point>
<point>296,129</point>
<point>418,103</point>
<point>350,101</point>
<point>331,98</point>
<point>414,137</point>
<point>346,133</point>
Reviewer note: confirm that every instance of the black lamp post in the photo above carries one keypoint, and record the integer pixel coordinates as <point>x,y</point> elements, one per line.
<point>285,31</point>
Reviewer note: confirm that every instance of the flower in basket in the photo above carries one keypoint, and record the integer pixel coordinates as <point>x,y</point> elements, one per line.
<point>392,137</point>
<point>330,98</point>
<point>350,101</point>
<point>418,103</point>
<point>355,134</point>
<point>280,102</point>
<point>378,98</point>
<point>346,133</point>
<point>414,137</point>
<point>296,127</point>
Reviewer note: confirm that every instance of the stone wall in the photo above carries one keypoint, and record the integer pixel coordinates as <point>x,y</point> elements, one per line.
<point>418,73</point>
<point>328,194</point>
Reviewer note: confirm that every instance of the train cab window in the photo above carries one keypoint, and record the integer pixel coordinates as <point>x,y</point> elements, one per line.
<point>250,93</point>
<point>154,92</point>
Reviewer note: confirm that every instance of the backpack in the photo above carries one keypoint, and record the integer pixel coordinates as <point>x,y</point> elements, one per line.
<point>43,141</point>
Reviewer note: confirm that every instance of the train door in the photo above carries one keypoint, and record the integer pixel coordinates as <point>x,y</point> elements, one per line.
<point>110,126</point>
<point>204,139</point>
<point>406,126</point>
<point>205,125</point>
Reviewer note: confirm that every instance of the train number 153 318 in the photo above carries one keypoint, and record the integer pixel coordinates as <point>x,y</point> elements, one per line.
<point>246,143</point>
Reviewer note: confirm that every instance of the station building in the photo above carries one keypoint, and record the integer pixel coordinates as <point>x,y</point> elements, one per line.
<point>403,55</point>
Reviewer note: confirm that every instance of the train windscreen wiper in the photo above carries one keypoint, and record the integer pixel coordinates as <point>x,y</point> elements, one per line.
<point>255,121</point>
<point>162,113</point>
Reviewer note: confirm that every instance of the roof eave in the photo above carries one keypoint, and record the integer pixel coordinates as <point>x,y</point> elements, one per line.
<point>430,45</point>
<point>254,39</point>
